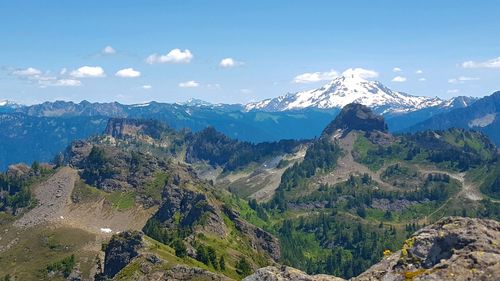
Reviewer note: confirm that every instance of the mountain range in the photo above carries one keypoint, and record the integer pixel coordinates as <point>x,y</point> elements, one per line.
<point>350,87</point>
<point>481,116</point>
<point>301,115</point>
<point>143,201</point>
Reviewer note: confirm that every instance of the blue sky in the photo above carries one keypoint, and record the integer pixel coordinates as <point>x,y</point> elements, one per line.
<point>55,49</point>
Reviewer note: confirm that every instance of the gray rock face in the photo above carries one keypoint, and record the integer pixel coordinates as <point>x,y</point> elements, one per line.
<point>453,248</point>
<point>355,116</point>
<point>196,210</point>
<point>260,239</point>
<point>272,273</point>
<point>123,127</point>
<point>121,249</point>
<point>120,169</point>
<point>149,272</point>
<point>184,273</point>
<point>193,208</point>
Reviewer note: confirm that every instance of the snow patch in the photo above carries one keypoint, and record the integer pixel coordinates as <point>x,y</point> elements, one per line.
<point>106,230</point>
<point>141,105</point>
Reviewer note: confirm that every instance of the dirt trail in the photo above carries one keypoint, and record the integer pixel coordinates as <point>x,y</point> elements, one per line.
<point>346,166</point>
<point>99,217</point>
<point>54,197</point>
<point>469,190</point>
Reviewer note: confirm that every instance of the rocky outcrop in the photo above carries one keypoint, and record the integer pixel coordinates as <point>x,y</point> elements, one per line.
<point>18,170</point>
<point>453,248</point>
<point>355,116</point>
<point>114,168</point>
<point>187,208</point>
<point>259,238</point>
<point>185,273</point>
<point>272,273</point>
<point>122,127</point>
<point>119,252</point>
<point>183,207</point>
<point>77,152</point>
<point>155,270</point>
<point>127,250</point>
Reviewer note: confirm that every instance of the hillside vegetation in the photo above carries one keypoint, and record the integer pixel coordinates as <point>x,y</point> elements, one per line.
<point>342,200</point>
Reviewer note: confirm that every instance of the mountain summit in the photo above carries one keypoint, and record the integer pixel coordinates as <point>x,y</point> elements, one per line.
<point>351,87</point>
<point>355,116</point>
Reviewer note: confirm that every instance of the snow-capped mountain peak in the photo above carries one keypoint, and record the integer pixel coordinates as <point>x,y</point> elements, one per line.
<point>8,103</point>
<point>196,102</point>
<point>348,88</point>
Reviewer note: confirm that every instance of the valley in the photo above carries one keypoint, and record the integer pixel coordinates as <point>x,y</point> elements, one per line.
<point>249,140</point>
<point>208,205</point>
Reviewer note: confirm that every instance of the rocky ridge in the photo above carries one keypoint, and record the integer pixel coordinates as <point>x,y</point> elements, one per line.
<point>453,248</point>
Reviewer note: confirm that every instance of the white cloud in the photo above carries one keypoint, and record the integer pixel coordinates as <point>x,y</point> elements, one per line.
<point>419,71</point>
<point>360,72</point>
<point>30,71</point>
<point>42,78</point>
<point>88,71</point>
<point>229,62</point>
<point>399,79</point>
<point>397,69</point>
<point>311,77</point>
<point>492,63</point>
<point>128,73</point>
<point>422,79</point>
<point>189,84</point>
<point>174,56</point>
<point>60,83</point>
<point>46,79</point>
<point>453,91</point>
<point>461,80</point>
<point>108,50</point>
<point>147,87</point>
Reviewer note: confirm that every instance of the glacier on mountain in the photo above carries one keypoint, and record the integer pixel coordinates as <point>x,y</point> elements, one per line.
<point>348,88</point>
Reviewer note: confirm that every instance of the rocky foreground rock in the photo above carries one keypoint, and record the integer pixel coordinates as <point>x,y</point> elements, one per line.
<point>272,273</point>
<point>451,249</point>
